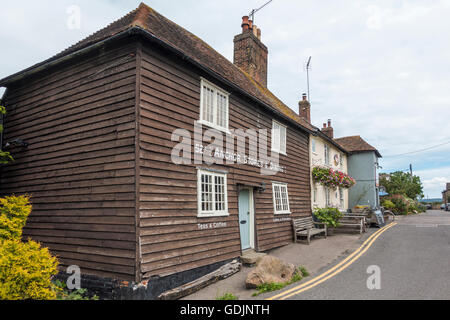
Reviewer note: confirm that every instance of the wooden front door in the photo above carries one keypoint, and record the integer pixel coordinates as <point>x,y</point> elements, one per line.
<point>246,219</point>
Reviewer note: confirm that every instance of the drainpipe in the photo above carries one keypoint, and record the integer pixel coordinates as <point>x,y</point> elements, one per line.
<point>1,120</point>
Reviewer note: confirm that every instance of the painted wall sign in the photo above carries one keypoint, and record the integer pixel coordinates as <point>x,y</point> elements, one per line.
<point>336,160</point>
<point>220,154</point>
<point>282,220</point>
<point>214,225</point>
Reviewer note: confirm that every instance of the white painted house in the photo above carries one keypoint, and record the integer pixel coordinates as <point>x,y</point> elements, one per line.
<point>325,153</point>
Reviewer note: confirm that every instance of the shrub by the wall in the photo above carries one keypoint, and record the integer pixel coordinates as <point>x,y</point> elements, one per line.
<point>388,205</point>
<point>329,216</point>
<point>26,269</point>
<point>14,212</point>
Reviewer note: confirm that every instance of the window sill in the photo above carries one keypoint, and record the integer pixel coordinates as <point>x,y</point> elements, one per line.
<point>213,215</point>
<point>283,213</point>
<point>279,152</point>
<point>213,126</point>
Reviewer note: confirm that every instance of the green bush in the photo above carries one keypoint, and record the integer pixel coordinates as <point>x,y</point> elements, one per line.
<point>65,294</point>
<point>227,296</point>
<point>388,204</point>
<point>5,157</point>
<point>26,269</point>
<point>401,207</point>
<point>405,206</point>
<point>14,212</point>
<point>329,216</point>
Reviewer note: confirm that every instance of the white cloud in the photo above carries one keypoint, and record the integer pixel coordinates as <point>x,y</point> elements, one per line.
<point>379,71</point>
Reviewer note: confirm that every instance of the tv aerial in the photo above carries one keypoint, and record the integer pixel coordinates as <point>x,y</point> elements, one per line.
<point>308,69</point>
<point>252,13</point>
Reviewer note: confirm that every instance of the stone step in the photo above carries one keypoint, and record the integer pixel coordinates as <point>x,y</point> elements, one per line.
<point>250,257</point>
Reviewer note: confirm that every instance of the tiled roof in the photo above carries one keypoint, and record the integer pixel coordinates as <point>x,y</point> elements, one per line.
<point>356,144</point>
<point>190,45</point>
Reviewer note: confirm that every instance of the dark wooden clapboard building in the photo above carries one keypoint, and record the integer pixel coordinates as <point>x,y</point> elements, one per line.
<point>110,139</point>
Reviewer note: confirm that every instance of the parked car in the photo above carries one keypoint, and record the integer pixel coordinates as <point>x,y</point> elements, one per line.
<point>443,206</point>
<point>447,207</point>
<point>429,206</point>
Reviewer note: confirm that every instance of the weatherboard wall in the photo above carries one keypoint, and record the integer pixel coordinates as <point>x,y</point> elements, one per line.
<point>172,237</point>
<point>79,168</point>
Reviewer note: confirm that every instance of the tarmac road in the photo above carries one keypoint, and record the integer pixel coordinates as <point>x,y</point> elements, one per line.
<point>410,260</point>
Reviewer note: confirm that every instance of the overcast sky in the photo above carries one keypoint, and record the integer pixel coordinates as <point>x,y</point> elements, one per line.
<point>380,69</point>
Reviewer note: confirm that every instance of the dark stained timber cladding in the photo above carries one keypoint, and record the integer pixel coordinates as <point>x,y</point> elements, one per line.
<point>170,238</point>
<point>79,168</point>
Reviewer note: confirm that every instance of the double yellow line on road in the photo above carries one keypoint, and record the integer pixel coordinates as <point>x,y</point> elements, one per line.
<point>336,269</point>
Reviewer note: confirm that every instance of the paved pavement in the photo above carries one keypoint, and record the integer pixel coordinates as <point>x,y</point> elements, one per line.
<point>314,257</point>
<point>412,258</point>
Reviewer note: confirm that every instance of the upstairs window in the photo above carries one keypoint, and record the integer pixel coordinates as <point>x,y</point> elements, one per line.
<point>214,106</point>
<point>328,197</point>
<point>279,134</point>
<point>281,198</point>
<point>341,197</point>
<point>212,194</point>
<point>327,155</point>
<point>313,145</point>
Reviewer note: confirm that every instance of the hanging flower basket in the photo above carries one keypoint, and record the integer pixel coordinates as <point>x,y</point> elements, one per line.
<point>332,178</point>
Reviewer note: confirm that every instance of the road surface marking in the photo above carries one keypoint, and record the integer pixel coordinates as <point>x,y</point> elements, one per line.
<point>336,269</point>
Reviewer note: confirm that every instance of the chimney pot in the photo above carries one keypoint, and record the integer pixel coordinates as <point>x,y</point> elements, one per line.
<point>259,34</point>
<point>329,131</point>
<point>249,53</point>
<point>305,109</point>
<point>305,97</point>
<point>245,24</point>
<point>255,31</point>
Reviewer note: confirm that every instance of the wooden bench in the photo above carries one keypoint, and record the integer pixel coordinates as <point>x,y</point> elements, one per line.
<point>306,227</point>
<point>357,221</point>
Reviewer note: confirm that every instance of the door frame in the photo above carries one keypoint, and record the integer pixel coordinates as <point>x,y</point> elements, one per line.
<point>252,234</point>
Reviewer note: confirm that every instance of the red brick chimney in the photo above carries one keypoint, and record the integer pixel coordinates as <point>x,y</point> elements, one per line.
<point>304,108</point>
<point>250,54</point>
<point>328,130</point>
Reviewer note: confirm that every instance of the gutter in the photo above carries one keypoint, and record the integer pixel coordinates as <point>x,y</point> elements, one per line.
<point>2,119</point>
<point>136,30</point>
<point>318,132</point>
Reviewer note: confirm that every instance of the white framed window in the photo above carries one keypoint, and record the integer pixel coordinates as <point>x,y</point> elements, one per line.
<point>327,155</point>
<point>212,194</point>
<point>281,198</point>
<point>214,106</point>
<point>279,137</point>
<point>341,161</point>
<point>341,197</point>
<point>313,145</point>
<point>328,197</point>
